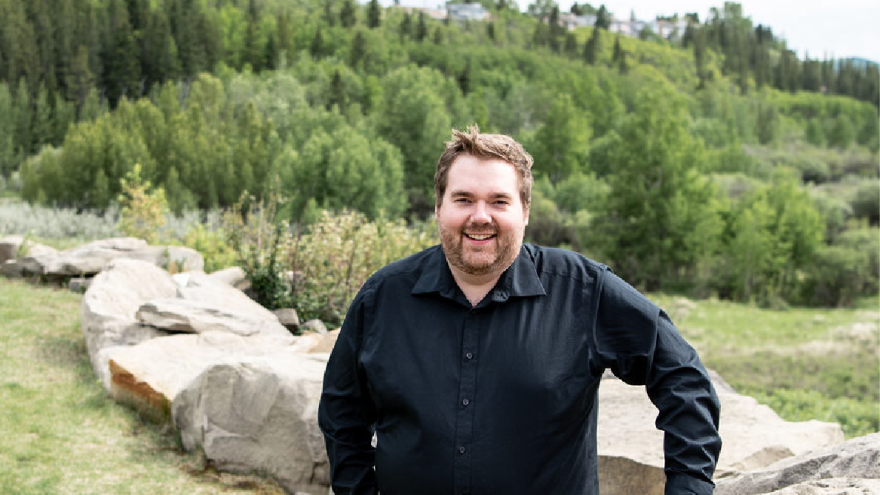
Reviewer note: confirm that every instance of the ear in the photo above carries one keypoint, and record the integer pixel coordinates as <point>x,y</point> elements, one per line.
<point>526,211</point>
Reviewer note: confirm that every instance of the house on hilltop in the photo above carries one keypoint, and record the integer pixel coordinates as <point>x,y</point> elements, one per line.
<point>467,12</point>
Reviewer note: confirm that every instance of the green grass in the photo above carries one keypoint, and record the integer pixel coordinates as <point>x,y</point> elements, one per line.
<point>61,433</point>
<point>805,363</point>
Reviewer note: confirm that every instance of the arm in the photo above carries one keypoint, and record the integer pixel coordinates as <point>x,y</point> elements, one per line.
<point>346,414</point>
<point>641,346</point>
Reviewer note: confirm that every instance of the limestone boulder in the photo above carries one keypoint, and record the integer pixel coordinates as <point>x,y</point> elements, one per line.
<point>233,276</point>
<point>91,258</point>
<point>833,486</point>
<point>259,414</point>
<point>202,304</point>
<point>9,247</point>
<point>849,464</point>
<point>109,306</point>
<point>151,374</point>
<point>631,448</point>
<point>11,265</point>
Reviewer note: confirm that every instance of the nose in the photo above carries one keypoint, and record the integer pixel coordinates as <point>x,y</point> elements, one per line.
<point>480,214</point>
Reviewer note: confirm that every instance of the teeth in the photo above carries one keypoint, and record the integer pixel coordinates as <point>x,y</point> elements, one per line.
<point>480,237</point>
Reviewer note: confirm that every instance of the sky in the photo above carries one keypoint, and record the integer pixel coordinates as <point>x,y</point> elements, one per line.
<point>838,29</point>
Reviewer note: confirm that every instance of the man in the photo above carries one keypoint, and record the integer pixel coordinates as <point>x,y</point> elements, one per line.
<point>477,362</point>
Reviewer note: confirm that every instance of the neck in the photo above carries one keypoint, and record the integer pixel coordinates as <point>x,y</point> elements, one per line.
<point>474,287</point>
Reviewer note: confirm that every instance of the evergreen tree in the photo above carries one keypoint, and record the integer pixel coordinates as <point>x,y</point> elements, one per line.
<point>374,15</point>
<point>592,47</point>
<point>406,26</point>
<point>421,28</point>
<point>317,46</point>
<point>120,56</point>
<point>570,44</point>
<point>603,18</point>
<point>348,14</point>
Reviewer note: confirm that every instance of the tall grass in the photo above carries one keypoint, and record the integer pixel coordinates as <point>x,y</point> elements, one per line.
<point>61,433</point>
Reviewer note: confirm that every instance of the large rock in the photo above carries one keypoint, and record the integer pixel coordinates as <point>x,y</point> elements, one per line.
<point>631,448</point>
<point>854,463</point>
<point>233,276</point>
<point>151,374</point>
<point>90,258</point>
<point>109,306</point>
<point>259,414</point>
<point>832,486</point>
<point>10,248</point>
<point>203,304</point>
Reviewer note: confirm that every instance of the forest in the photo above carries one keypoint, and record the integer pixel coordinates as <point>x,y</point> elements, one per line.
<point>712,163</point>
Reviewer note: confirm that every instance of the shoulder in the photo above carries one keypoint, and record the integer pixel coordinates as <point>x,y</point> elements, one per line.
<point>557,262</point>
<point>405,270</point>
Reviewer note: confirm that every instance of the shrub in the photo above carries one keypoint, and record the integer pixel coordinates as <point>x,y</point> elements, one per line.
<point>866,203</point>
<point>334,257</point>
<point>143,210</point>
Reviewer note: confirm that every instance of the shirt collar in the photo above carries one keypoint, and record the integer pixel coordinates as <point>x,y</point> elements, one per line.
<point>520,280</point>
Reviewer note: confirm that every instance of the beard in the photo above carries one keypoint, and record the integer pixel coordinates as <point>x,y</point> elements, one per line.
<point>492,258</point>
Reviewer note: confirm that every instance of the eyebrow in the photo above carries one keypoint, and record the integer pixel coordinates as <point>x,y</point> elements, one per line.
<point>494,195</point>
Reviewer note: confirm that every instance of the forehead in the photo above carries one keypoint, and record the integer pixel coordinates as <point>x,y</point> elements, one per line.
<point>475,174</point>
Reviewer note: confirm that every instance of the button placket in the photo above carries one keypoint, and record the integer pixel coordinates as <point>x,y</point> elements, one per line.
<point>464,432</point>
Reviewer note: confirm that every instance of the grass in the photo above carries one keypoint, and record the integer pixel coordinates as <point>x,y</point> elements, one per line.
<point>805,363</point>
<point>61,433</point>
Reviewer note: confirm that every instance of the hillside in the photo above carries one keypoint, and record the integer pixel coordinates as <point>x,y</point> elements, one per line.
<point>712,163</point>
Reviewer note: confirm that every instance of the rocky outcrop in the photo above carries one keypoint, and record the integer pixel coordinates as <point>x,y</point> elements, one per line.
<point>259,413</point>
<point>631,448</point>
<point>832,486</point>
<point>14,247</point>
<point>151,374</point>
<point>110,304</point>
<point>203,304</point>
<point>846,466</point>
<point>90,258</point>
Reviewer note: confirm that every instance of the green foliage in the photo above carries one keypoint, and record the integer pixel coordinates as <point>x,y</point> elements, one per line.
<point>661,216</point>
<point>772,235</point>
<point>142,208</point>
<point>856,418</point>
<point>316,269</point>
<point>212,245</point>
<point>866,203</point>
<point>333,258</point>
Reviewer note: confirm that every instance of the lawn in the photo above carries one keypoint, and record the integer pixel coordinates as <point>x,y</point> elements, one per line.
<point>61,433</point>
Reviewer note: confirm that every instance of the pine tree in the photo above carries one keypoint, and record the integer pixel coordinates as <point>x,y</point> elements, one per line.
<point>348,14</point>
<point>603,18</point>
<point>374,14</point>
<point>406,26</point>
<point>421,28</point>
<point>592,47</point>
<point>317,46</point>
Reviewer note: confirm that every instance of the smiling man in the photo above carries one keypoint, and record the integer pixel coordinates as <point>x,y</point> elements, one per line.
<point>477,363</point>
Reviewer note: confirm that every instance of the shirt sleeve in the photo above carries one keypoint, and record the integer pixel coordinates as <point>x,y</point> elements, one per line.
<point>346,414</point>
<point>639,343</point>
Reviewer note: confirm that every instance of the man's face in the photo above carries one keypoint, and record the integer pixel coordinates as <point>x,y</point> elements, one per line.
<point>481,219</point>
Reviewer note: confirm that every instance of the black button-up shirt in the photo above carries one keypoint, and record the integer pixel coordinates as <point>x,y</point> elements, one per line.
<point>500,398</point>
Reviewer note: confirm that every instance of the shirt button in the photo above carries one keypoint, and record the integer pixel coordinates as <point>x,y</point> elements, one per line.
<point>465,402</point>
<point>462,450</point>
<point>469,356</point>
